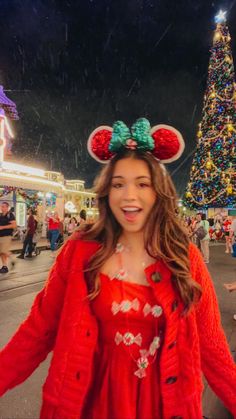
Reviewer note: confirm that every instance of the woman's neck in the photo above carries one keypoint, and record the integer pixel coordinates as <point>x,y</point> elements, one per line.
<point>133,241</point>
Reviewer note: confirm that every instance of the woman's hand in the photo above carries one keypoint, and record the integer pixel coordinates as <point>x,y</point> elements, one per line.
<point>230,287</point>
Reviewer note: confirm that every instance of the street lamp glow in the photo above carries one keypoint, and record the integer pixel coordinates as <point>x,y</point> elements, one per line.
<point>221,17</point>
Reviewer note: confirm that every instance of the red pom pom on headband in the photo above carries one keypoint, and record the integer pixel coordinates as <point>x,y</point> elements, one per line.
<point>164,142</point>
<point>98,144</point>
<point>169,143</point>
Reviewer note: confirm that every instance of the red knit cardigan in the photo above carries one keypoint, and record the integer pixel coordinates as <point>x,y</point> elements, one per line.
<point>61,320</point>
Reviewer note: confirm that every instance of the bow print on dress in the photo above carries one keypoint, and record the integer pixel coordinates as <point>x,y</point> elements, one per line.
<point>155,310</point>
<point>128,338</point>
<point>143,361</point>
<point>125,306</point>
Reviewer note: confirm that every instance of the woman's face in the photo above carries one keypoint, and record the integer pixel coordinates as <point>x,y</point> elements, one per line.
<point>131,195</point>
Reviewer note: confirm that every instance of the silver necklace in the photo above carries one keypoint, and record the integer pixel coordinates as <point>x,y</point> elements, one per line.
<point>148,355</point>
<point>122,274</point>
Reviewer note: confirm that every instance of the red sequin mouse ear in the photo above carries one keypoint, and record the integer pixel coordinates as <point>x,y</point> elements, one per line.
<point>169,143</point>
<point>98,144</point>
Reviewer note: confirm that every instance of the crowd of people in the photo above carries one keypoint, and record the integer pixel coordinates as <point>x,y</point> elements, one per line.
<point>71,223</point>
<point>202,231</point>
<point>57,230</point>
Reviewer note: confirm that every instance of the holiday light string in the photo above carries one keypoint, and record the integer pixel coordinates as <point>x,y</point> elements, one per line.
<point>219,134</point>
<point>220,98</point>
<point>203,203</point>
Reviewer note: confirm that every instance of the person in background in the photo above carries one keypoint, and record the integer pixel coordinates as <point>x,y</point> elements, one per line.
<point>187,222</point>
<point>218,227</point>
<point>60,239</point>
<point>211,222</point>
<point>226,229</point>
<point>7,225</point>
<point>38,232</point>
<point>53,231</point>
<point>196,222</point>
<point>82,218</point>
<point>30,231</point>
<point>12,210</point>
<point>232,232</point>
<point>204,243</point>
<point>72,226</point>
<point>232,235</point>
<point>66,222</point>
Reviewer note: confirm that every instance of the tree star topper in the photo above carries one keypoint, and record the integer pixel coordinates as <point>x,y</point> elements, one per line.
<point>221,17</point>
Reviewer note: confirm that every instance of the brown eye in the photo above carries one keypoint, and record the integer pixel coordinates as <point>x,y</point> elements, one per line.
<point>144,185</point>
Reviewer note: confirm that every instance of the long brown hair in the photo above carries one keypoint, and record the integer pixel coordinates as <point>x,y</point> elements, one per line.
<point>164,236</point>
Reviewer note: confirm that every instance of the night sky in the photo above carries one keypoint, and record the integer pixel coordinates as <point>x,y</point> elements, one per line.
<point>73,65</point>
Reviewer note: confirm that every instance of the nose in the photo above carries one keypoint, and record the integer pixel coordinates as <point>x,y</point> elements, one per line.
<point>130,192</point>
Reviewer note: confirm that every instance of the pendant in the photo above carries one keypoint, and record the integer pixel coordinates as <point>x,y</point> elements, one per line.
<point>119,248</point>
<point>121,275</point>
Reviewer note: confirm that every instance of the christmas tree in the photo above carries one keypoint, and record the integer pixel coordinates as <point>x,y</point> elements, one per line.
<point>212,180</point>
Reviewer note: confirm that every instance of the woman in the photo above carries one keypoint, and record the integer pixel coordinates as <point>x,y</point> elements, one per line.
<point>53,231</point>
<point>129,308</point>
<point>226,228</point>
<point>205,241</point>
<point>72,226</point>
<point>82,218</point>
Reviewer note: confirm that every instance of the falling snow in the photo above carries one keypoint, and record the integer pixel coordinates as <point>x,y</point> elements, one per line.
<point>71,66</point>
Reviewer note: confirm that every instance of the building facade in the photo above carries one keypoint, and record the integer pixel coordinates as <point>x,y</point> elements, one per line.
<point>24,186</point>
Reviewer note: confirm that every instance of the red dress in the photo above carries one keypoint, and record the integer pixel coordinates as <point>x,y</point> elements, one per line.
<point>126,373</point>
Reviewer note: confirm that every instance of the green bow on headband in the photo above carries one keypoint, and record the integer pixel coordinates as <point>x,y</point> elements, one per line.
<point>138,138</point>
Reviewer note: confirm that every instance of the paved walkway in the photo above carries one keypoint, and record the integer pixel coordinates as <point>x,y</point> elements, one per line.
<point>16,245</point>
<point>222,267</point>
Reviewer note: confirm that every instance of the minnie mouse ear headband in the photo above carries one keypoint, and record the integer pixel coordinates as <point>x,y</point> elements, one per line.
<point>164,142</point>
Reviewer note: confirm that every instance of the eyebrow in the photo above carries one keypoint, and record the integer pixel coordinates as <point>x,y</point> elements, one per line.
<point>138,177</point>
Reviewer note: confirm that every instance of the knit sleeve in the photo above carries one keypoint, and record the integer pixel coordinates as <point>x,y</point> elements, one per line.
<point>35,337</point>
<point>218,365</point>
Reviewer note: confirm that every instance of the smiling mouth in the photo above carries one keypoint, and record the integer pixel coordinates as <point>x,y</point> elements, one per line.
<point>130,213</point>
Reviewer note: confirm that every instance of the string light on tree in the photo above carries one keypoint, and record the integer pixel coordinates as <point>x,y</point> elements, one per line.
<point>213,172</point>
